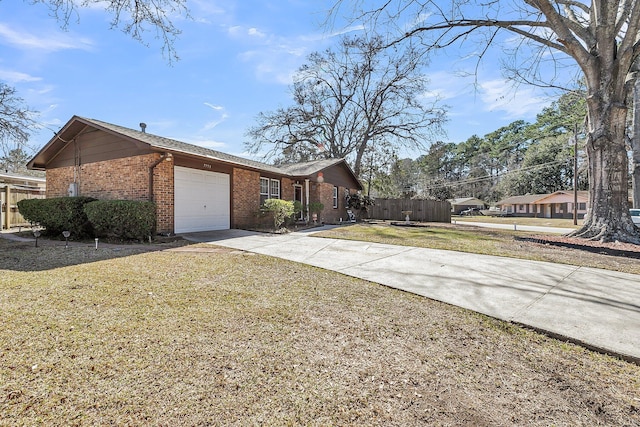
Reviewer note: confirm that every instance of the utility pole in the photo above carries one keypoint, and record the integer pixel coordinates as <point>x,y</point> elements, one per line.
<point>575,175</point>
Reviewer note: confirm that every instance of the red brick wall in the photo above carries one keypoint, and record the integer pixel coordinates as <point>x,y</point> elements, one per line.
<point>246,198</point>
<point>58,181</point>
<point>120,179</point>
<point>163,196</point>
<point>286,189</point>
<point>323,192</point>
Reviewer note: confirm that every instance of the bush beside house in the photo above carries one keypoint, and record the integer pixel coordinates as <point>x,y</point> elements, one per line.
<point>58,214</point>
<point>123,219</point>
<point>280,209</point>
<point>87,217</point>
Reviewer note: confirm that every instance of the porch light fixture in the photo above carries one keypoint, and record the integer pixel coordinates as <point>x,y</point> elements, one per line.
<point>320,177</point>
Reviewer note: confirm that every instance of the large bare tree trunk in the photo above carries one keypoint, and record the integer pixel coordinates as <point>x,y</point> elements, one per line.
<point>601,36</point>
<point>608,218</point>
<point>635,142</point>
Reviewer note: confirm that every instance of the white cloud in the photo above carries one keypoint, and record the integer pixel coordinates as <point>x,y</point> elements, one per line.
<point>326,36</point>
<point>213,123</point>
<point>276,57</point>
<point>516,103</point>
<point>204,142</point>
<point>234,30</point>
<point>238,31</point>
<point>17,77</point>
<point>214,107</point>
<point>221,116</point>
<point>255,32</point>
<point>45,42</point>
<point>444,85</point>
<point>202,10</point>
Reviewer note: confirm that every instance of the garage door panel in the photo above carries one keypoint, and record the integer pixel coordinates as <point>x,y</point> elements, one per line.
<point>202,200</point>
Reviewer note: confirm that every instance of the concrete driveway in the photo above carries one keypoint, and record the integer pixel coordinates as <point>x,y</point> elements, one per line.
<point>597,308</point>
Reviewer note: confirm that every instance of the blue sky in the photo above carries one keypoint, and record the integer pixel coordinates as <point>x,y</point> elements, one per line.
<point>236,60</point>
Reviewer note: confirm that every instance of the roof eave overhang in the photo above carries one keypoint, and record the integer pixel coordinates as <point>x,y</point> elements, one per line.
<point>56,144</point>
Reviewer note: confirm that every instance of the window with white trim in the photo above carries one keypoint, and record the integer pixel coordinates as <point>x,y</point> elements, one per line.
<point>275,189</point>
<point>264,190</point>
<point>335,197</point>
<point>269,189</point>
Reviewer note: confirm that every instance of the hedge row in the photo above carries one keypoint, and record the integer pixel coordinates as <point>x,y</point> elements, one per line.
<point>87,217</point>
<point>123,219</point>
<point>58,214</point>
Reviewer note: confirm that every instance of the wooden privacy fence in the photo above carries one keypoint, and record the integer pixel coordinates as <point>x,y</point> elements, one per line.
<point>421,210</point>
<point>10,195</point>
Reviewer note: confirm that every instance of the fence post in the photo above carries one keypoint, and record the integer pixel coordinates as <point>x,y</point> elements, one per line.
<point>7,209</point>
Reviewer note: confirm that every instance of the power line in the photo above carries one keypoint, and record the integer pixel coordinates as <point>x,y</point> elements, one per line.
<point>492,177</point>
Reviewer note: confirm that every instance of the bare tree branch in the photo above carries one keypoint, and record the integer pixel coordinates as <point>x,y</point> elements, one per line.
<point>133,17</point>
<point>347,103</point>
<point>16,120</point>
<point>602,37</point>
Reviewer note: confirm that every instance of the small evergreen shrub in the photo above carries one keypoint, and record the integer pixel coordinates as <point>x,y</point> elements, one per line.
<point>58,214</point>
<point>280,209</point>
<point>122,219</point>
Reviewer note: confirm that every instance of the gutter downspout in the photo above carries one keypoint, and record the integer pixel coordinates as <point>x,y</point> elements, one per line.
<point>151,168</point>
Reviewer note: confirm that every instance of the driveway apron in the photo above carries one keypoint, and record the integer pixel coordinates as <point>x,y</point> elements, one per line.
<point>597,308</point>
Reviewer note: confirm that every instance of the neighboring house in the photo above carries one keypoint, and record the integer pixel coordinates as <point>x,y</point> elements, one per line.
<point>554,205</point>
<point>194,188</point>
<point>463,203</point>
<point>14,188</point>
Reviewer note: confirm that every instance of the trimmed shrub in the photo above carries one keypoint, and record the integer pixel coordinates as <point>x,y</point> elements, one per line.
<point>58,214</point>
<point>122,219</point>
<point>280,209</point>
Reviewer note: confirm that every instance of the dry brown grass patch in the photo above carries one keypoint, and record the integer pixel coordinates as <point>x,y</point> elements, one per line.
<point>230,338</point>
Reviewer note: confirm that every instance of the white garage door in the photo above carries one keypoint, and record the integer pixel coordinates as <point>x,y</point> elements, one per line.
<point>201,200</point>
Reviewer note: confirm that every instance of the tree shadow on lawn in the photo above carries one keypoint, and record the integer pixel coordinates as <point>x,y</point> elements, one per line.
<point>51,254</point>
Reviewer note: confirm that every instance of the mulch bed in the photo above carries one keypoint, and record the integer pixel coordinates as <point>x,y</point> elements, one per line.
<point>619,249</point>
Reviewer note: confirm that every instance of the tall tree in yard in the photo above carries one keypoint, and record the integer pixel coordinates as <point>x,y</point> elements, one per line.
<point>350,102</point>
<point>601,36</point>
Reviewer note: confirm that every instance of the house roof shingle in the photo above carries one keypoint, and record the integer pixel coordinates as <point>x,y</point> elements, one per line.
<point>308,168</point>
<point>534,198</point>
<point>521,200</point>
<point>463,200</point>
<point>169,144</point>
<point>70,130</point>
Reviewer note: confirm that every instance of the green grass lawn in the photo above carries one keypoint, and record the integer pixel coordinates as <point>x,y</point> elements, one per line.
<point>223,337</point>
<point>480,240</point>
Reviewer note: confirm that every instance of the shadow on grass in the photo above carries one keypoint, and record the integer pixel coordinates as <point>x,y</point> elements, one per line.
<point>51,254</point>
<point>406,234</point>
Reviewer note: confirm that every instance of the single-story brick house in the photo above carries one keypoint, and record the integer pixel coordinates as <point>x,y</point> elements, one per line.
<point>194,188</point>
<point>555,205</point>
